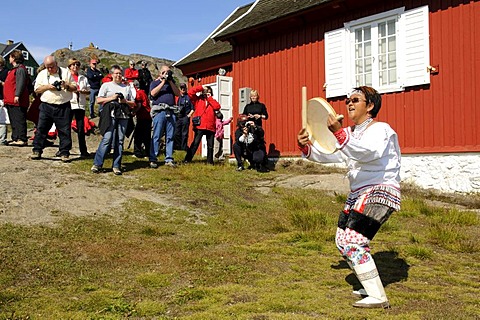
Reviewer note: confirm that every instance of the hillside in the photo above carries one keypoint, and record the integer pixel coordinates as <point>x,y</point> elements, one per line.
<point>107,59</point>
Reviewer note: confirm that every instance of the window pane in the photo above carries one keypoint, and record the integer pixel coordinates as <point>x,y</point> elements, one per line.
<point>358,51</point>
<point>368,65</point>
<point>368,79</point>
<point>367,34</point>
<point>392,60</point>
<point>382,30</point>
<point>392,44</point>
<point>392,76</point>
<point>391,27</point>
<point>382,46</point>
<point>358,81</point>
<point>358,66</point>
<point>383,78</point>
<point>368,49</point>
<point>358,36</point>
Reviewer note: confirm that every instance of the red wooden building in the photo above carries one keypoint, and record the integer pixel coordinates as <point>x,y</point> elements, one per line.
<point>421,55</point>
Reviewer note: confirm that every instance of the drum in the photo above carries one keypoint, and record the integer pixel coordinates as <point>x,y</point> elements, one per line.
<point>316,114</point>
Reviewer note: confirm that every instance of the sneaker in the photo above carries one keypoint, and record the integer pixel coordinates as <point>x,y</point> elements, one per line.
<point>170,164</point>
<point>18,143</point>
<point>85,155</point>
<point>96,169</point>
<point>36,155</point>
<point>241,168</point>
<point>262,169</point>
<point>153,165</point>
<point>65,158</point>
<point>117,171</point>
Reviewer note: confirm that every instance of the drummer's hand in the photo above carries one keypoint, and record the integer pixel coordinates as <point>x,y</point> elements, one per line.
<point>302,138</point>
<point>333,124</point>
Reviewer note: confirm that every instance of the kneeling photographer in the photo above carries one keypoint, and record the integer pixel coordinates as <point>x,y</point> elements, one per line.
<point>249,145</point>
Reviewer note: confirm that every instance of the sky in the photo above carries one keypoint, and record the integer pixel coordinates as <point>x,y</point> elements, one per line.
<point>157,28</point>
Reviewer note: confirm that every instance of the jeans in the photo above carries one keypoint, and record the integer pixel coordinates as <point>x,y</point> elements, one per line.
<point>50,114</point>
<point>161,122</point>
<point>93,94</point>
<point>116,134</point>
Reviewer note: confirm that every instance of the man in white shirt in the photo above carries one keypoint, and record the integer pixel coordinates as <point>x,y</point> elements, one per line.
<point>55,85</point>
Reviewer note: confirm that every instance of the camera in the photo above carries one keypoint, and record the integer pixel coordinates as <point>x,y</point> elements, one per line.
<point>169,75</point>
<point>58,85</point>
<point>120,96</point>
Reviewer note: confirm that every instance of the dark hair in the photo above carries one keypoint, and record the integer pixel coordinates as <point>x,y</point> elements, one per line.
<point>209,89</point>
<point>17,56</point>
<point>372,96</point>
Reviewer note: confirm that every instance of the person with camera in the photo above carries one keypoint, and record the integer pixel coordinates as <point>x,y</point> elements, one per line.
<point>162,92</point>
<point>55,85</point>
<point>249,144</point>
<point>117,101</point>
<point>182,125</point>
<point>203,120</point>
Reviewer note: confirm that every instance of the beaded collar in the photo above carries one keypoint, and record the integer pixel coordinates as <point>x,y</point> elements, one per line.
<point>360,128</point>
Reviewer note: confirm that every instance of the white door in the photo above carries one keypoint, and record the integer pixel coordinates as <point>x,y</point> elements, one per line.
<point>222,92</point>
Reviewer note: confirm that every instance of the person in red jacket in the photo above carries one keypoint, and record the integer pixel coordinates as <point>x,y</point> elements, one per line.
<point>131,73</point>
<point>15,92</point>
<point>143,128</point>
<point>205,106</point>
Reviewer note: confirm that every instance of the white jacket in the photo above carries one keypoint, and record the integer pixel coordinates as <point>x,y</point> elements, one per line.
<point>79,100</point>
<point>372,158</point>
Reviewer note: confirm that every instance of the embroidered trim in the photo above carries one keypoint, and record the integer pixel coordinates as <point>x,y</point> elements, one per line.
<point>305,150</point>
<point>367,275</point>
<point>383,194</point>
<point>342,136</point>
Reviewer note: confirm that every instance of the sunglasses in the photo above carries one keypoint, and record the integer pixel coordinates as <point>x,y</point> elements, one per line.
<point>353,100</point>
<point>76,64</point>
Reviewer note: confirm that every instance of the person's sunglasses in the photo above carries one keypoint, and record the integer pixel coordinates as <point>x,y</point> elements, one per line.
<point>353,100</point>
<point>76,64</point>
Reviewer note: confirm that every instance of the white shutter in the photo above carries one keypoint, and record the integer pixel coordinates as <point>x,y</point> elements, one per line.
<point>416,49</point>
<point>225,98</point>
<point>336,64</point>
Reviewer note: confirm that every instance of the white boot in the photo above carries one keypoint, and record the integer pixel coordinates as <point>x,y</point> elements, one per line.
<point>361,293</point>
<point>367,273</point>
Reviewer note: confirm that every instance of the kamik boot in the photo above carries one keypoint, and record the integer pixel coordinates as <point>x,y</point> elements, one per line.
<point>367,274</point>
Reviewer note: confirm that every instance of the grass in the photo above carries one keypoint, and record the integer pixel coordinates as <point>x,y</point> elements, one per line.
<point>229,251</point>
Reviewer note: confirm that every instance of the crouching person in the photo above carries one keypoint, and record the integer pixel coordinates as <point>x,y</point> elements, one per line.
<point>249,145</point>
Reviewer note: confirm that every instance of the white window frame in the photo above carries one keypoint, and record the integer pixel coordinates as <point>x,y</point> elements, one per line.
<point>26,55</point>
<point>412,48</point>
<point>30,70</point>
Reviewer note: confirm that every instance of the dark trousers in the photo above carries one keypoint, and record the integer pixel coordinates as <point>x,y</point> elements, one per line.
<point>50,114</point>
<point>79,116</point>
<point>18,122</point>
<point>181,133</point>
<point>255,158</point>
<point>142,137</point>
<point>210,136</point>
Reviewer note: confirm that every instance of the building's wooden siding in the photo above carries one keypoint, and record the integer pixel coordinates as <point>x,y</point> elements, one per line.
<point>440,117</point>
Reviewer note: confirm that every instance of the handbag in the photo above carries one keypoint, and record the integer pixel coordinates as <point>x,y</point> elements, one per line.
<point>196,121</point>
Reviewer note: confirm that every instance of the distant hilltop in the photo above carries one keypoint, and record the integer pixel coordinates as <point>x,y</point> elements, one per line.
<point>107,59</point>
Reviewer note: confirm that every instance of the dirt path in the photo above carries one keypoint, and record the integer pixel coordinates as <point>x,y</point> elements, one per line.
<point>42,191</point>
